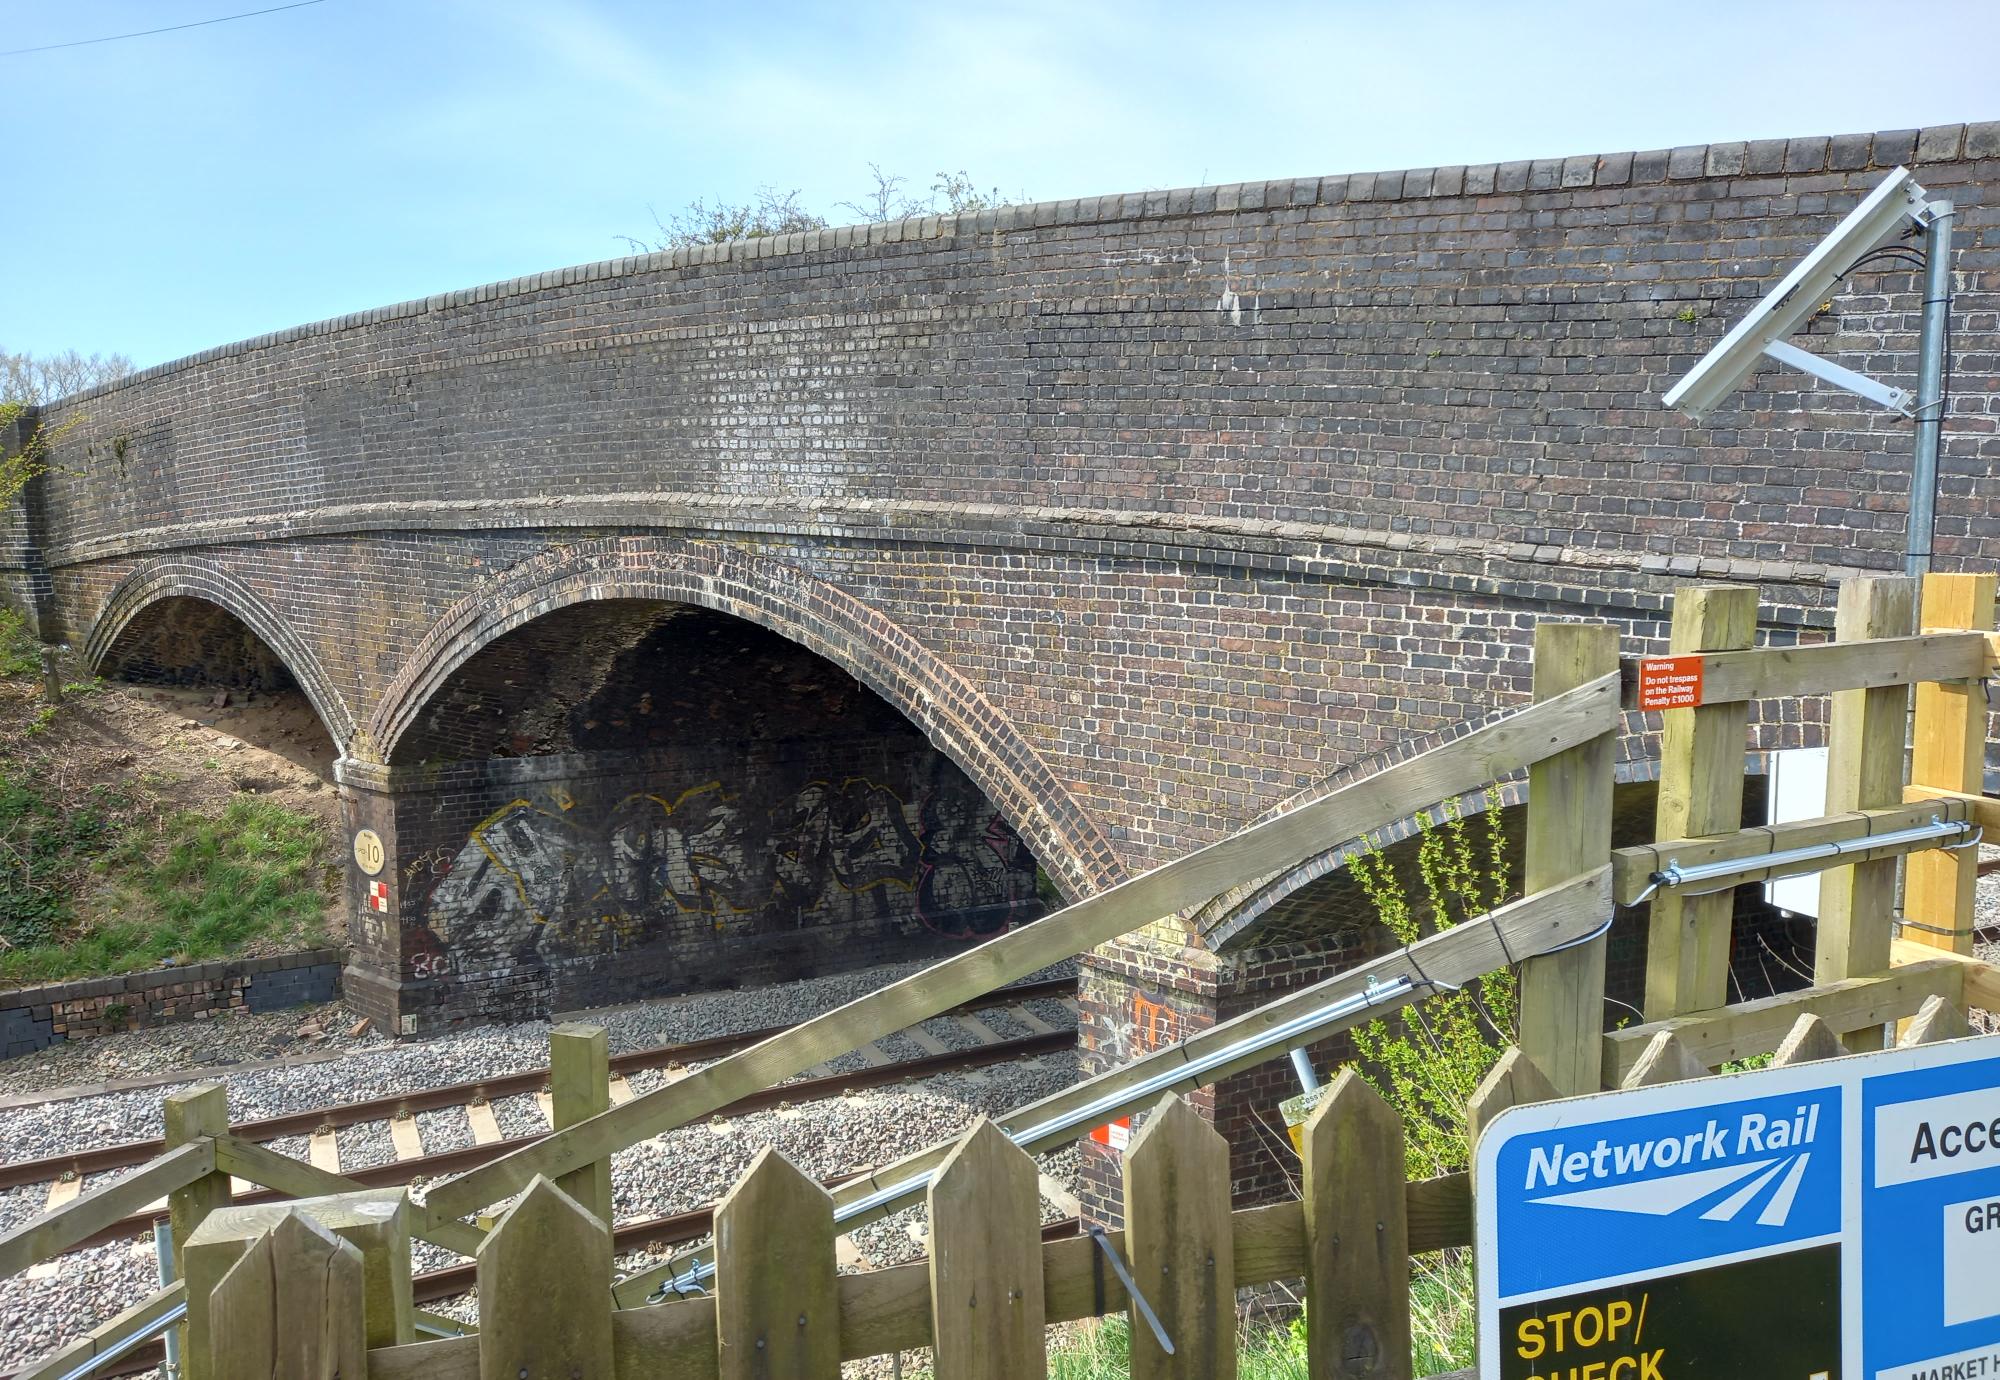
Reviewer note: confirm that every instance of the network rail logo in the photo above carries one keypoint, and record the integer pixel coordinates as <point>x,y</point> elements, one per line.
<point>1615,1197</point>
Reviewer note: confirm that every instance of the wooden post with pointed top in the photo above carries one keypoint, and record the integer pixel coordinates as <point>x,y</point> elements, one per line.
<point>1701,792</point>
<point>1569,833</point>
<point>1809,1040</point>
<point>777,1301</point>
<point>1357,1237</point>
<point>545,1289</point>
<point>1513,1081</point>
<point>291,1306</point>
<point>1666,1059</point>
<point>986,1261</point>
<point>1937,1019</point>
<point>1182,1244</point>
<point>1864,770</point>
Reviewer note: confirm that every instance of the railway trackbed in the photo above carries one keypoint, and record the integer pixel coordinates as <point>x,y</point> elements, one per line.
<point>67,1174</point>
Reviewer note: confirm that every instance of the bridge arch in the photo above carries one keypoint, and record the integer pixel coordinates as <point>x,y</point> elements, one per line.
<point>1238,918</point>
<point>946,708</point>
<point>187,577</point>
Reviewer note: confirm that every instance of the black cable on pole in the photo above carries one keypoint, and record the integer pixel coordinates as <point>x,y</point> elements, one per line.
<point>170,28</point>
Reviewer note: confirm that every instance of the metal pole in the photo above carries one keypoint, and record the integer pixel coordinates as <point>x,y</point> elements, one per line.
<point>1302,1064</point>
<point>1930,387</point>
<point>163,1251</point>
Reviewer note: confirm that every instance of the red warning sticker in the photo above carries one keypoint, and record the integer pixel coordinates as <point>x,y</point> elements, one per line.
<point>1670,682</point>
<point>1117,1135</point>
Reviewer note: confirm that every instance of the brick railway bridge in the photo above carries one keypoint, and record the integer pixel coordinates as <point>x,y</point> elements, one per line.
<point>788,604</point>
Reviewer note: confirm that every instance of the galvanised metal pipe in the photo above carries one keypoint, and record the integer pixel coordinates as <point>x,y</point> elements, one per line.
<point>1729,869</point>
<point>1299,1030</point>
<point>1931,368</point>
<point>145,1334</point>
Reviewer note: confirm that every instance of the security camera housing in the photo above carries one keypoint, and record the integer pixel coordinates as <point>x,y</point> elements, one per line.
<point>1761,333</point>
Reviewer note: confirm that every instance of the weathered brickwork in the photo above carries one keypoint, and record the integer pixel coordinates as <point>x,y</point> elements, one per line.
<point>33,1018</point>
<point>1149,512</point>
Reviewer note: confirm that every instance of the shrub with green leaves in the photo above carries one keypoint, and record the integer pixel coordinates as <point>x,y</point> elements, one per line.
<point>1429,1058</point>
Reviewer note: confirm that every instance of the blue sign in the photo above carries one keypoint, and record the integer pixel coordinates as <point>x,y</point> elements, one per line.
<point>1835,1219</point>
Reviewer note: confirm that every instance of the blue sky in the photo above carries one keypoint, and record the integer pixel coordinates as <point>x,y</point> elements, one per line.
<point>180,191</point>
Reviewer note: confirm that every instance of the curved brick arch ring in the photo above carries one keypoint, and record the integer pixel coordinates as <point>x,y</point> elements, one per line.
<point>949,711</point>
<point>1231,920</point>
<point>187,577</point>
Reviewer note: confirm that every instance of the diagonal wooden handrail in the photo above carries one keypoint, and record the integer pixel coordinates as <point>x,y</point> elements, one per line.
<point>1450,958</point>
<point>1453,769</point>
<point>57,1230</point>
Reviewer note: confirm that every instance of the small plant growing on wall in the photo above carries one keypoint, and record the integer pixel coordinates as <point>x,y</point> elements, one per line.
<point>1428,1059</point>
<point>20,467</point>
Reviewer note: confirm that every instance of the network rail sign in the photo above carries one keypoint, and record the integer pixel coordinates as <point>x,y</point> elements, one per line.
<point>1839,1219</point>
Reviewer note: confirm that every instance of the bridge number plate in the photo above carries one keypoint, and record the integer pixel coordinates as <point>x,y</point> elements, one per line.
<point>1839,1219</point>
<point>368,855</point>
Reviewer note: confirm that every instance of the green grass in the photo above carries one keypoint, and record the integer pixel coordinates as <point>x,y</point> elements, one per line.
<point>186,887</point>
<point>1443,1325</point>
<point>20,654</point>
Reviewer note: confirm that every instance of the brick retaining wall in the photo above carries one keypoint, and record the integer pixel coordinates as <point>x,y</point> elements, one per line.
<point>33,1018</point>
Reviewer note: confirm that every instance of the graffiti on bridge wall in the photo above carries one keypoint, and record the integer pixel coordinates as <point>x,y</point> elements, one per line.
<point>544,876</point>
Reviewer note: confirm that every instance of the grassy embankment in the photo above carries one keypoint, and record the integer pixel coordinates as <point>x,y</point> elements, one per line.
<point>117,875</point>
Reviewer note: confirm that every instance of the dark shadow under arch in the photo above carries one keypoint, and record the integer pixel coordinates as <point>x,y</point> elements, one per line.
<point>947,709</point>
<point>188,578</point>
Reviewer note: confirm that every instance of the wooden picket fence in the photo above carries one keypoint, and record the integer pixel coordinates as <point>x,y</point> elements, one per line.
<point>981,1302</point>
<point>548,1257</point>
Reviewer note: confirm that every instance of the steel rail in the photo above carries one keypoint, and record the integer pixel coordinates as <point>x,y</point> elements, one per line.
<point>118,1156</point>
<point>396,1173</point>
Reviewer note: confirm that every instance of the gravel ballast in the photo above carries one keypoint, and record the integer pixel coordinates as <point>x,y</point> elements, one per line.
<point>685,1169</point>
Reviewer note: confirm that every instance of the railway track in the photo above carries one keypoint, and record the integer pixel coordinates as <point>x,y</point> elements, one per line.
<point>66,1174</point>
<point>318,1123</point>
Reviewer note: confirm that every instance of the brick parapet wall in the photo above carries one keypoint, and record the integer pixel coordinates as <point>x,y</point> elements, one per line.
<point>36,1017</point>
<point>1768,158</point>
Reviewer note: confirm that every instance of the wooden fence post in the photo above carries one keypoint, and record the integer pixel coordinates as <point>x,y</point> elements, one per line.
<point>190,1113</point>
<point>1809,1040</point>
<point>986,1261</point>
<point>1664,1060</point>
<point>1948,751</point>
<point>777,1302</point>
<point>1936,1020</point>
<point>1569,832</point>
<point>1701,792</point>
<point>1182,1245</point>
<point>1864,770</point>
<point>1513,1081</point>
<point>202,1110</point>
<point>373,1221</point>
<point>291,1305</point>
<point>580,1088</point>
<point>1357,1237</point>
<point>545,1289</point>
